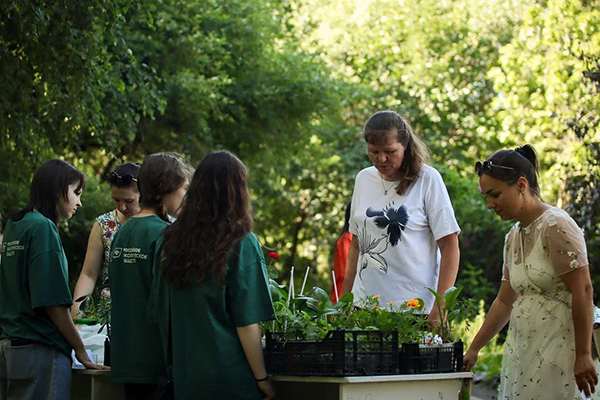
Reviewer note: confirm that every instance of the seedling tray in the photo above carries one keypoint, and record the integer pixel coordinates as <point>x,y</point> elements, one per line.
<point>357,353</point>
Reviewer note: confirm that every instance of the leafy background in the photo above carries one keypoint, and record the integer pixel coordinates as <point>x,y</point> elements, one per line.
<point>287,85</point>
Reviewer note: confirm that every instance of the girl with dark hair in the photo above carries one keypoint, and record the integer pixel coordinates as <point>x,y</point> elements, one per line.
<point>211,288</point>
<point>125,196</point>
<point>37,331</point>
<point>405,233</point>
<point>546,294</point>
<point>136,356</point>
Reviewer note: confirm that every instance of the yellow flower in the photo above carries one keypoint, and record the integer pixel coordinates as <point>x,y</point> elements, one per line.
<point>412,303</point>
<point>376,297</point>
<point>391,303</point>
<point>376,307</point>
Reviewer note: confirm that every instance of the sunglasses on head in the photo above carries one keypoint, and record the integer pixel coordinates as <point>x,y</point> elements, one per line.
<point>124,180</point>
<point>485,167</point>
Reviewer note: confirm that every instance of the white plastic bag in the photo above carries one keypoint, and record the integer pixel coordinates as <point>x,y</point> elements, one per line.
<point>93,340</point>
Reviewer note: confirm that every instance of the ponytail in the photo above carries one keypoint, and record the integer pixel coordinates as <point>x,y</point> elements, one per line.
<point>160,175</point>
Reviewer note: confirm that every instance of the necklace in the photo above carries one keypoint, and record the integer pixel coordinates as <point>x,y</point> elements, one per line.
<point>386,190</point>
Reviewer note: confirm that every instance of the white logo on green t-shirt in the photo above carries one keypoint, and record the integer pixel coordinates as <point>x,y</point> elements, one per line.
<point>11,247</point>
<point>132,254</point>
<point>117,252</point>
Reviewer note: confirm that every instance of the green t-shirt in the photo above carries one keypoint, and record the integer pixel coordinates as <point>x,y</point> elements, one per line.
<point>136,352</point>
<point>208,358</point>
<point>33,275</point>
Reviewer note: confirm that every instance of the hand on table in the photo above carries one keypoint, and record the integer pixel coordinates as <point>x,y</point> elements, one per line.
<point>84,359</point>
<point>470,359</point>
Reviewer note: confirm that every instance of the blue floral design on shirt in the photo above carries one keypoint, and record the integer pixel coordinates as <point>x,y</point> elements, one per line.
<point>394,219</point>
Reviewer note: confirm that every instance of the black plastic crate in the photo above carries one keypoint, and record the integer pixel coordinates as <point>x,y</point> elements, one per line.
<point>423,359</point>
<point>357,353</point>
<point>341,353</point>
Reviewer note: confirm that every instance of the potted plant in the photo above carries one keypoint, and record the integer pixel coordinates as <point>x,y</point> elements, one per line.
<point>439,348</point>
<point>450,309</point>
<point>310,335</point>
<point>368,314</point>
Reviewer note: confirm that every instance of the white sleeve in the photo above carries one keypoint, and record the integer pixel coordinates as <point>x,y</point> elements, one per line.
<point>438,207</point>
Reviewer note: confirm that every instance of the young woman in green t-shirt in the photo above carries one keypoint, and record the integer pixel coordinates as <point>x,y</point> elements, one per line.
<point>37,331</point>
<point>136,352</point>
<point>214,269</point>
<point>126,197</point>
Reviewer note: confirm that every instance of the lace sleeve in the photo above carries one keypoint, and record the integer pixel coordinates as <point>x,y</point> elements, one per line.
<point>565,244</point>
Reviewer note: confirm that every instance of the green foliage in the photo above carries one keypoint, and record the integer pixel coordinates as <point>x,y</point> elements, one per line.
<point>548,75</point>
<point>312,316</point>
<point>68,83</point>
<point>405,318</point>
<point>489,364</point>
<point>452,310</point>
<point>305,317</point>
<point>97,308</point>
<point>287,86</point>
<point>583,184</point>
<point>190,76</point>
<point>490,356</point>
<point>428,59</point>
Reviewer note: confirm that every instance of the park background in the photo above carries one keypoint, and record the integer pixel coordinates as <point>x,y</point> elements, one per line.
<point>287,85</point>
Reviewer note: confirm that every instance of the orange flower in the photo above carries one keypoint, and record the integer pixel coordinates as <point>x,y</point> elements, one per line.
<point>412,303</point>
<point>376,297</point>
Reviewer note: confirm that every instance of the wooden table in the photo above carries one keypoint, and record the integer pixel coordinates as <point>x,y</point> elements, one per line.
<point>90,384</point>
<point>384,387</point>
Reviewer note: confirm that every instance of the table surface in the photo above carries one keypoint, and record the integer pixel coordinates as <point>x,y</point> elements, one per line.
<point>374,378</point>
<point>95,372</point>
<point>335,379</point>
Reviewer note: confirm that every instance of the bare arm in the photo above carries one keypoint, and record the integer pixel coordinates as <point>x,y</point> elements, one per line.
<point>250,339</point>
<point>351,266</point>
<point>91,268</point>
<point>448,270</point>
<point>496,319</point>
<point>579,284</point>
<point>59,315</point>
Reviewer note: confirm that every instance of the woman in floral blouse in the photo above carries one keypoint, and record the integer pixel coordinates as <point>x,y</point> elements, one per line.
<point>125,196</point>
<point>546,291</point>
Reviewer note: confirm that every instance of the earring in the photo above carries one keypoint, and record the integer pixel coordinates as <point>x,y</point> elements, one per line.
<point>522,193</point>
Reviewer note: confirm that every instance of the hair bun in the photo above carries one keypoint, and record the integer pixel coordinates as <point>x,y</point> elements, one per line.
<point>529,153</point>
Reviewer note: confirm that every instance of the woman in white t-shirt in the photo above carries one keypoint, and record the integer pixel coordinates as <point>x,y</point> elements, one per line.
<point>405,233</point>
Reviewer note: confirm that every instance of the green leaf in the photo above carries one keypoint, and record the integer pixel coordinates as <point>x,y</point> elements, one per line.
<point>85,321</point>
<point>347,298</point>
<point>436,295</point>
<point>450,297</point>
<point>322,296</point>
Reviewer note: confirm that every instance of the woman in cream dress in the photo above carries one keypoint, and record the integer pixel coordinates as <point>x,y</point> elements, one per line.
<point>546,291</point>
